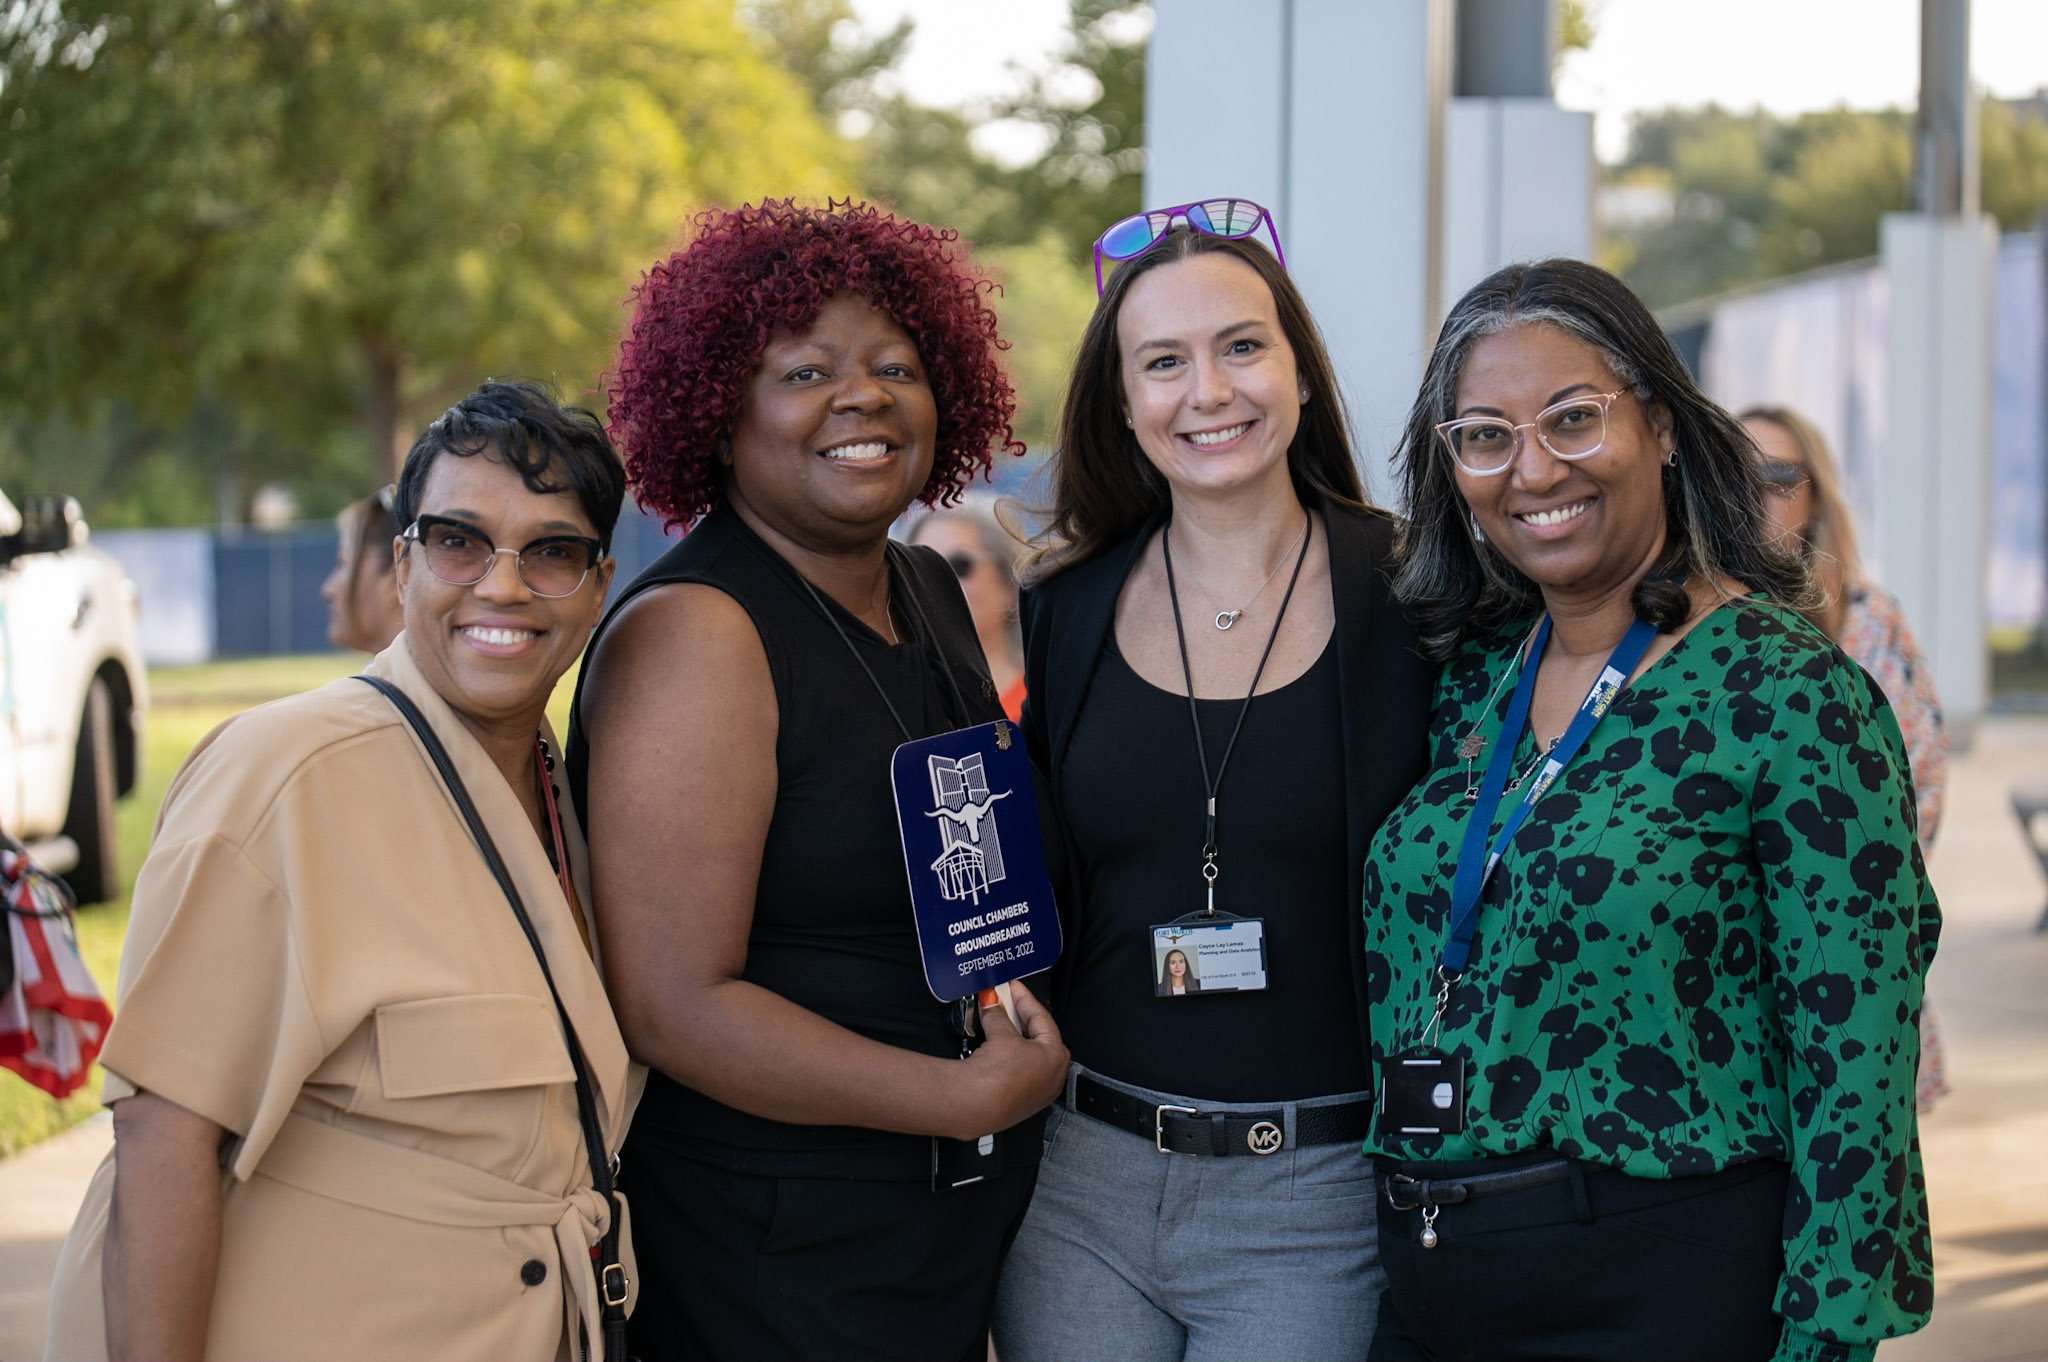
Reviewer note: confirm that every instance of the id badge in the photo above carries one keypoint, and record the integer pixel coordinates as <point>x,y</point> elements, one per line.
<point>975,859</point>
<point>1223,955</point>
<point>961,1163</point>
<point>1422,1092</point>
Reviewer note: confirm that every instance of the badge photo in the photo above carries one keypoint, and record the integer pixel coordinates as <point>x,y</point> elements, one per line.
<point>1208,954</point>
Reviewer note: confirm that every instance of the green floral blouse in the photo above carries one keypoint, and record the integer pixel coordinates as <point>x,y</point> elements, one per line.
<point>1705,946</point>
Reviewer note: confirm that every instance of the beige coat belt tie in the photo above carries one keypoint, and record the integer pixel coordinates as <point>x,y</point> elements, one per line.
<point>328,1161</point>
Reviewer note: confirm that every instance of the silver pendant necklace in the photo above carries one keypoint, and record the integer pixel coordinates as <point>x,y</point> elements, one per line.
<point>1226,618</point>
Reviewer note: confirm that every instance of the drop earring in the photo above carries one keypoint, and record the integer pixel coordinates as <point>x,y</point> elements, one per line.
<point>1478,535</point>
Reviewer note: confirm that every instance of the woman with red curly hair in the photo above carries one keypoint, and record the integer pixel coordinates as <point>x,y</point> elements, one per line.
<point>793,379</point>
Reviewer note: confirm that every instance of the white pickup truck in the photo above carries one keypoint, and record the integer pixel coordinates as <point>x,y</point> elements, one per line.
<point>73,692</point>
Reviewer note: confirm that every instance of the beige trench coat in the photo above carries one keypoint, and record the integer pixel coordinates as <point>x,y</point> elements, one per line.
<point>320,962</point>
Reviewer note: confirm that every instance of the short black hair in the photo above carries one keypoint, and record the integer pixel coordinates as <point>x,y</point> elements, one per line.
<point>527,426</point>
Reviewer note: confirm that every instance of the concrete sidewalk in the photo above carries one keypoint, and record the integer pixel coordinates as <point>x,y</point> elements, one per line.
<point>40,1189</point>
<point>1986,1146</point>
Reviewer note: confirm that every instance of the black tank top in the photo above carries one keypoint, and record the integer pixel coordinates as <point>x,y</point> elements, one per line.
<point>833,930</point>
<point>1133,794</point>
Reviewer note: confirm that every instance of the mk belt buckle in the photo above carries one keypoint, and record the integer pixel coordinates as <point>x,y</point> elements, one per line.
<point>1159,1125</point>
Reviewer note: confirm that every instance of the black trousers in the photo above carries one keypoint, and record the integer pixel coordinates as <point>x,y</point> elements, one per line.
<point>737,1267</point>
<point>1598,1265</point>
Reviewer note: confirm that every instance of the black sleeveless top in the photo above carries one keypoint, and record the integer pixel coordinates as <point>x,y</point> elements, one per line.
<point>1133,793</point>
<point>833,929</point>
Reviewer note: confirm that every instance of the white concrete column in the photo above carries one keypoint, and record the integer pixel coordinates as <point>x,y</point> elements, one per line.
<point>1518,185</point>
<point>1329,112</point>
<point>1933,480</point>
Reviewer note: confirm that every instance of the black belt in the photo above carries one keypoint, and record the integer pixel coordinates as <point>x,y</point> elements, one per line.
<point>1595,1188</point>
<point>1190,1130</point>
<point>1420,1192</point>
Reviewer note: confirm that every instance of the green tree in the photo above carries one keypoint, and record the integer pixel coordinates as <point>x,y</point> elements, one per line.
<point>1755,197</point>
<point>822,43</point>
<point>1848,171</point>
<point>1046,300</point>
<point>1092,170</point>
<point>317,212</point>
<point>1031,226</point>
<point>2013,164</point>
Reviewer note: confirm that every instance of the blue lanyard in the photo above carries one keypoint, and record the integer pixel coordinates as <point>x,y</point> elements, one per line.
<point>1476,861</point>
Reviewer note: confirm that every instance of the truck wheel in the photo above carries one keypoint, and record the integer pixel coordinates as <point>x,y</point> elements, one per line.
<point>97,877</point>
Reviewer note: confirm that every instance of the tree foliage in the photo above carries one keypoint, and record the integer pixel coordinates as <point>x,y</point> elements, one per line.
<point>1753,197</point>
<point>320,213</point>
<point>1032,224</point>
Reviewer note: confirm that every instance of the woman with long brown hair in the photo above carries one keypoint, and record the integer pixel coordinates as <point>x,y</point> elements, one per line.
<point>1226,701</point>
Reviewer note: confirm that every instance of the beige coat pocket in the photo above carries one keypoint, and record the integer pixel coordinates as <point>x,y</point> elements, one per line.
<point>470,1043</point>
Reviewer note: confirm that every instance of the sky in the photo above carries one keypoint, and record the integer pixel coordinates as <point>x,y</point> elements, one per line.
<point>1783,55</point>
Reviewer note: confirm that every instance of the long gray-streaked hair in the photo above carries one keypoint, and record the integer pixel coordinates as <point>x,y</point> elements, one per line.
<point>1457,586</point>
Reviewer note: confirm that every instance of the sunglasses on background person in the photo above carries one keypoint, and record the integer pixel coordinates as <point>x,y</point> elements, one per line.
<point>1782,477</point>
<point>460,554</point>
<point>1229,218</point>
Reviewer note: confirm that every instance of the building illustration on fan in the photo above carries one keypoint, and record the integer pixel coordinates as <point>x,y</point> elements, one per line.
<point>972,856</point>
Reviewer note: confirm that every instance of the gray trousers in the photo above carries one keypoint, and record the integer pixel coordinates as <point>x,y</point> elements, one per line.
<point>1134,1254</point>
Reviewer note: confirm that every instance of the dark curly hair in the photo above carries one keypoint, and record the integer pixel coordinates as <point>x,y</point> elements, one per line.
<point>702,317</point>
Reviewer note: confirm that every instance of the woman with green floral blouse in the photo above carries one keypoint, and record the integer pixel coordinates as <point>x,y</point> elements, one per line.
<point>1646,944</point>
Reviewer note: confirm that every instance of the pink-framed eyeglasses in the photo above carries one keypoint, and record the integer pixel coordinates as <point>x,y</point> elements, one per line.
<point>1572,429</point>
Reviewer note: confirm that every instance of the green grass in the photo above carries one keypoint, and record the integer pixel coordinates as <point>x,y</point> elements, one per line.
<point>186,704</point>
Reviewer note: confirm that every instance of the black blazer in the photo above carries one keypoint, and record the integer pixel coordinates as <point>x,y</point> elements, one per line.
<point>1386,684</point>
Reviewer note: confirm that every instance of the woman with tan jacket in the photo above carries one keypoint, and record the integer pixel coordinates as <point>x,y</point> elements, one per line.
<point>344,1071</point>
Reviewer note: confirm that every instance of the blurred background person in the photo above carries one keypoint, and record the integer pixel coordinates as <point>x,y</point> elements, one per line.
<point>731,743</point>
<point>363,610</point>
<point>984,555</point>
<point>1812,517</point>
<point>349,1112</point>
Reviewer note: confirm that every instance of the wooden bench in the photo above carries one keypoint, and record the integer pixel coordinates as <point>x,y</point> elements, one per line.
<point>2029,803</point>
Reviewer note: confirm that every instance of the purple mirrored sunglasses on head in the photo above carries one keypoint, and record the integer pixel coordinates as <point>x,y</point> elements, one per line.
<point>1212,217</point>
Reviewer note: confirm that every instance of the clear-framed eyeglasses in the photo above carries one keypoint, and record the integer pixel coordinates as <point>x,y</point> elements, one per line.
<point>460,554</point>
<point>1572,429</point>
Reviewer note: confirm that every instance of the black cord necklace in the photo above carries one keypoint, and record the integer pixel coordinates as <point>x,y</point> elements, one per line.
<point>926,639</point>
<point>1213,783</point>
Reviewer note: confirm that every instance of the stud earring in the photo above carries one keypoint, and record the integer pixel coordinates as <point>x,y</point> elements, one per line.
<point>1304,394</point>
<point>1671,459</point>
<point>1129,422</point>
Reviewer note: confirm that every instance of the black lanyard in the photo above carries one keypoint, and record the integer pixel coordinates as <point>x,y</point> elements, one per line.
<point>925,632</point>
<point>1212,783</point>
<point>1476,861</point>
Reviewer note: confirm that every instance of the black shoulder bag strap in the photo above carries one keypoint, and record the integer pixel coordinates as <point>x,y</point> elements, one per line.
<point>612,1284</point>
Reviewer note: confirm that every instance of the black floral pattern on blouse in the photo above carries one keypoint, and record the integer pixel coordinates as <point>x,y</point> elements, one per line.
<point>1705,946</point>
